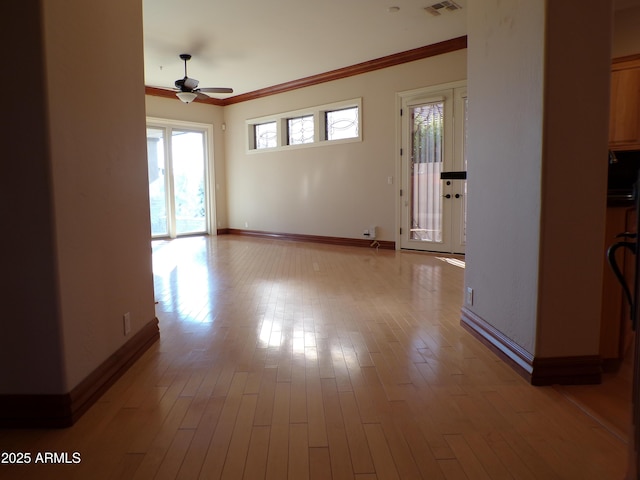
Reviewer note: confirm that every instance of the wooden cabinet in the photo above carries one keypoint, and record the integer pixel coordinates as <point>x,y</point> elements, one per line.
<point>624,123</point>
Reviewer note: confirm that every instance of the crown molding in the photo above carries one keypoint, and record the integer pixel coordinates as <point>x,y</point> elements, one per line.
<point>447,46</point>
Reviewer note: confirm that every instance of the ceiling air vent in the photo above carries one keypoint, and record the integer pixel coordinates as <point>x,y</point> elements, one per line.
<point>437,8</point>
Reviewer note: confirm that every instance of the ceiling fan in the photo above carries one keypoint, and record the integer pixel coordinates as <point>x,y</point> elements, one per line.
<point>188,89</point>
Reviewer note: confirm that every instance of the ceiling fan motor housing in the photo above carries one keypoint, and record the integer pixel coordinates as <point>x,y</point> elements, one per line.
<point>186,84</point>
<point>190,85</point>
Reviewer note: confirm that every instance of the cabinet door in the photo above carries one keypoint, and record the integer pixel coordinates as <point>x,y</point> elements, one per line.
<point>624,126</point>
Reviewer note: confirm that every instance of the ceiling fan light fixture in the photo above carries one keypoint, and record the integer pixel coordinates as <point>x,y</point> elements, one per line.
<point>186,97</point>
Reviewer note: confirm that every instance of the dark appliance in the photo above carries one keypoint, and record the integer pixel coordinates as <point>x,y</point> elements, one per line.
<point>622,174</point>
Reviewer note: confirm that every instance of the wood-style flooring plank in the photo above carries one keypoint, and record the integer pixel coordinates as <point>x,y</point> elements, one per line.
<point>174,457</point>
<point>471,465</point>
<point>358,448</point>
<point>298,468</point>
<point>294,360</point>
<point>266,397</point>
<point>382,458</point>
<point>341,464</point>
<point>239,444</point>
<point>315,407</point>
<point>319,463</point>
<point>278,457</point>
<point>256,464</point>
<point>202,438</point>
<point>219,446</point>
<point>155,453</point>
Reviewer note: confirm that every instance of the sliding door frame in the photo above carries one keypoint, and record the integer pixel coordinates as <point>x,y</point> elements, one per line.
<point>209,170</point>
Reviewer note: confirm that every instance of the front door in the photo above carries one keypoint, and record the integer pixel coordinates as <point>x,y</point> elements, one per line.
<point>433,189</point>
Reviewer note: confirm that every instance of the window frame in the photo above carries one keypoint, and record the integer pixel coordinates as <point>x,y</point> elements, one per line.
<point>254,137</point>
<point>319,126</point>
<point>325,126</point>
<point>168,125</point>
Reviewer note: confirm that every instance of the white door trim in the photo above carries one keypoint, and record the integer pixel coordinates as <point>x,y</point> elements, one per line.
<point>402,100</point>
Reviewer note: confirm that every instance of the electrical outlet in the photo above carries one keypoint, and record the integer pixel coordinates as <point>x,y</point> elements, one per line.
<point>126,322</point>
<point>469,297</point>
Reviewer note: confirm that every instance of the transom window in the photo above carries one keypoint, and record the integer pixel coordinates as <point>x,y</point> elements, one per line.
<point>300,130</point>
<point>321,125</point>
<point>266,135</point>
<point>342,123</point>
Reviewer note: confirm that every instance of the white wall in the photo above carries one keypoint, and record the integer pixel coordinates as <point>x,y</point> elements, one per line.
<point>335,190</point>
<point>505,88</point>
<point>537,171</point>
<point>99,176</point>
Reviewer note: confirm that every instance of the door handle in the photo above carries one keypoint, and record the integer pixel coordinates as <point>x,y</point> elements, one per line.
<point>458,195</point>
<point>448,195</point>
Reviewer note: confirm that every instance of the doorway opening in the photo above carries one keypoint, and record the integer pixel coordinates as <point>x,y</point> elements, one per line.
<point>180,176</point>
<point>433,169</point>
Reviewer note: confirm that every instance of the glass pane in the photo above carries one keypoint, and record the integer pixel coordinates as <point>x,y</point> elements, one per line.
<point>266,135</point>
<point>426,165</point>
<point>188,179</point>
<point>300,130</point>
<point>157,184</point>
<point>342,123</point>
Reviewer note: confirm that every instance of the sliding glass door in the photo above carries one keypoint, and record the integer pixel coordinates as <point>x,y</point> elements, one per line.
<point>189,204</point>
<point>178,180</point>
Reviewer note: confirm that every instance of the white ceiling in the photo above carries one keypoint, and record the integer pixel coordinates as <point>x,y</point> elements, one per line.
<point>252,44</point>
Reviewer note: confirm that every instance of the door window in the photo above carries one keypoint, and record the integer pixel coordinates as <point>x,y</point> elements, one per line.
<point>427,123</point>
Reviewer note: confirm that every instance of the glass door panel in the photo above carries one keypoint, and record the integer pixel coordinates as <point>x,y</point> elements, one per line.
<point>188,159</point>
<point>157,181</point>
<point>426,166</point>
<point>177,159</point>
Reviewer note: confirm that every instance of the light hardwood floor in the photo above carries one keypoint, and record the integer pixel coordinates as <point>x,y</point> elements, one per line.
<point>302,361</point>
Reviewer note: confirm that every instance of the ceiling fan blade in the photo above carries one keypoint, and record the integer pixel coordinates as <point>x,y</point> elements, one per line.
<point>216,90</point>
<point>190,83</point>
<point>156,87</point>
<point>202,96</point>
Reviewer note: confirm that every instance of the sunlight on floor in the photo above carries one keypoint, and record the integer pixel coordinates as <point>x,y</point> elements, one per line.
<point>453,261</point>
